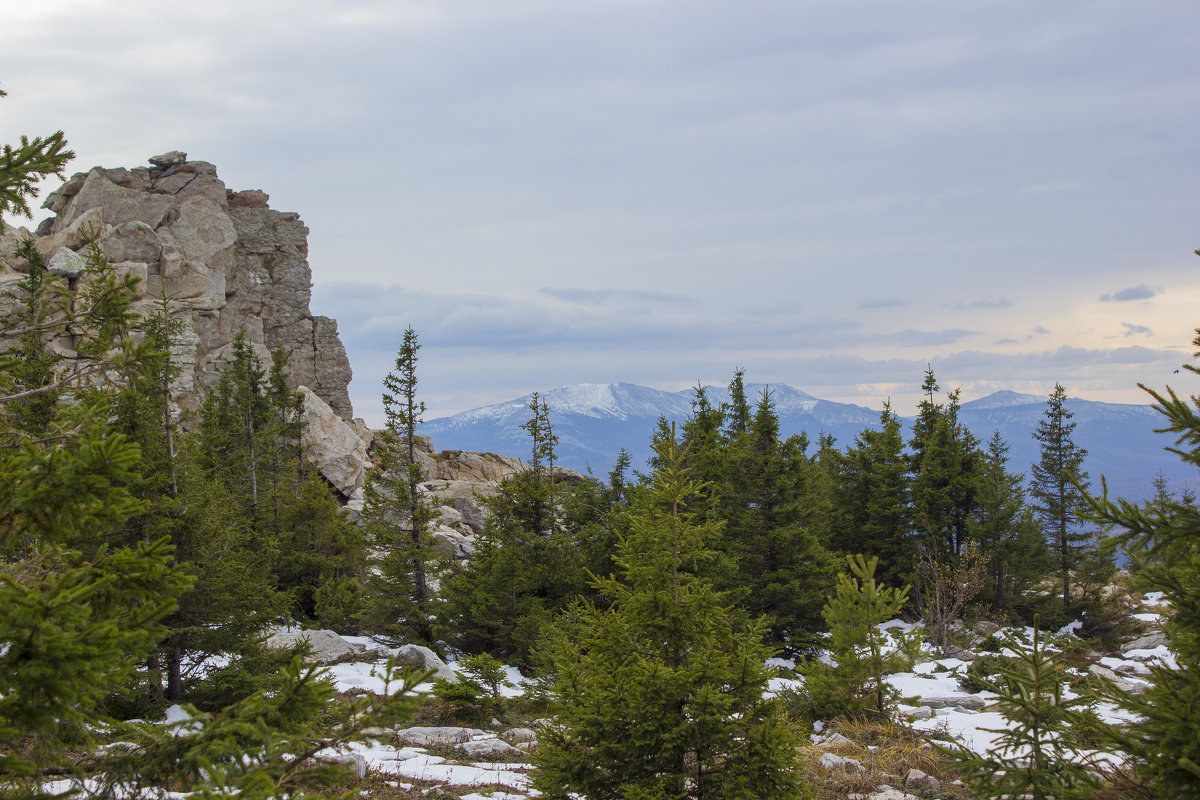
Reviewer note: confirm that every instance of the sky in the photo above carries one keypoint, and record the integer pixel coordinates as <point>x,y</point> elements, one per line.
<point>831,194</point>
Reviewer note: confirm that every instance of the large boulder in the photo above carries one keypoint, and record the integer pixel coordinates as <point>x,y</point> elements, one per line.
<point>326,646</point>
<point>332,444</point>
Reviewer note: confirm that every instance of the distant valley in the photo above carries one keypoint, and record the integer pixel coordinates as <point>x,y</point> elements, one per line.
<point>593,422</point>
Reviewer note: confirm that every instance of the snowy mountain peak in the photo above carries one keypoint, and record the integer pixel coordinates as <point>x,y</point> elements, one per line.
<point>1003,399</point>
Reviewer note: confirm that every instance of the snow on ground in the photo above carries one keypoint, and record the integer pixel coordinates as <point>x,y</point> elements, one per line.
<point>414,762</point>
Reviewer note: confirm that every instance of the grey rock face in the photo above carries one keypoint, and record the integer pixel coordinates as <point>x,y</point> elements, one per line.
<point>227,262</point>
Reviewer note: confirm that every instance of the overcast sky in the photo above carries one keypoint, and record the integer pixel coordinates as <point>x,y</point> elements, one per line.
<point>826,194</point>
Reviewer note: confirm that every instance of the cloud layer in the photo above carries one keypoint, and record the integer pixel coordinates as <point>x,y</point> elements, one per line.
<point>832,195</point>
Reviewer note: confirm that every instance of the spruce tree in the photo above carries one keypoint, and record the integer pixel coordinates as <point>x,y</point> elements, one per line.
<point>1058,485</point>
<point>863,654</point>
<point>1036,755</point>
<point>1006,532</point>
<point>23,165</point>
<point>944,460</point>
<point>872,500</point>
<point>661,694</point>
<point>397,516</point>
<point>774,529</point>
<point>1163,540</point>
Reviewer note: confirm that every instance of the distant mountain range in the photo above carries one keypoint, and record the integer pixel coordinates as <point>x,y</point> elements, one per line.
<point>593,422</point>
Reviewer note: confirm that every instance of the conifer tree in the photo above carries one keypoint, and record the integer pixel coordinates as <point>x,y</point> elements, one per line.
<point>774,529</point>
<point>872,500</point>
<point>661,694</point>
<point>1163,539</point>
<point>1034,755</point>
<point>23,165</point>
<point>1008,536</point>
<point>945,457</point>
<point>397,517</point>
<point>864,655</point>
<point>1058,485</point>
<point>532,556</point>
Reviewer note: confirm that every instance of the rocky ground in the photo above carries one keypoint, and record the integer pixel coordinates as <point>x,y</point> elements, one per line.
<point>894,760</point>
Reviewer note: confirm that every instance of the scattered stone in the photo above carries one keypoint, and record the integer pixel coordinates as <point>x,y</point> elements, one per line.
<point>519,735</point>
<point>66,264</point>
<point>332,444</point>
<point>423,735</point>
<point>834,762</point>
<point>920,712</point>
<point>818,727</point>
<point>486,748</point>
<point>421,657</point>
<point>967,702</point>
<point>883,793</point>
<point>1112,677</point>
<point>921,780</point>
<point>1146,642</point>
<point>248,198</point>
<point>832,740</point>
<point>985,628</point>
<point>326,646</point>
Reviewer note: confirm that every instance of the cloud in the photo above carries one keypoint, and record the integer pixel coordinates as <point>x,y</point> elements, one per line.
<point>1040,330</point>
<point>987,302</point>
<point>1005,341</point>
<point>596,297</point>
<point>1142,292</point>
<point>917,338</point>
<point>1131,329</point>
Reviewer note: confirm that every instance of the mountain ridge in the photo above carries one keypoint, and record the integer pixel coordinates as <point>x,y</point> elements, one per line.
<point>594,421</point>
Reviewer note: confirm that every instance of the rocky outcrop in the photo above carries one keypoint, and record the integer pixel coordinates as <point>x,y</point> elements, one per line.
<point>225,259</point>
<point>226,263</point>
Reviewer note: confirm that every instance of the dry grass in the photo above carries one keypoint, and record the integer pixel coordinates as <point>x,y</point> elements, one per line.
<point>888,750</point>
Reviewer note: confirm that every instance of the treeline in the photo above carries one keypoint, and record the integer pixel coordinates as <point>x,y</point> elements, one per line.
<point>940,511</point>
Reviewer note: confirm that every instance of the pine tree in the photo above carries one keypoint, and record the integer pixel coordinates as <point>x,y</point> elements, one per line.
<point>1058,486</point>
<point>661,694</point>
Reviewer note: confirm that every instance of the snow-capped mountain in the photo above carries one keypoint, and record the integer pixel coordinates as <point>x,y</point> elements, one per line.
<point>594,421</point>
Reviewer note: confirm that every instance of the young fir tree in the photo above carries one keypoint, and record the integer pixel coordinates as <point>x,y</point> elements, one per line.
<point>661,694</point>
<point>863,654</point>
<point>1163,540</point>
<point>1034,755</point>
<point>23,166</point>
<point>1058,485</point>
<point>399,520</point>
